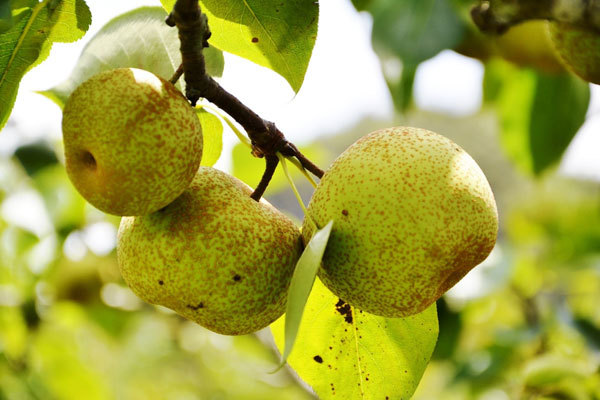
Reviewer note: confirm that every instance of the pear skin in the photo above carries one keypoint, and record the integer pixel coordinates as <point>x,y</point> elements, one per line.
<point>132,141</point>
<point>413,213</point>
<point>214,255</point>
<point>528,44</point>
<point>579,48</point>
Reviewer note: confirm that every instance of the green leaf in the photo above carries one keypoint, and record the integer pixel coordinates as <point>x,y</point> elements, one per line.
<point>401,89</point>
<point>212,134</point>
<point>35,27</point>
<point>138,39</point>
<point>415,30</point>
<point>345,353</point>
<point>301,285</point>
<point>276,34</point>
<point>6,21</point>
<point>35,156</point>
<point>450,328</point>
<point>536,124</point>
<point>362,5</point>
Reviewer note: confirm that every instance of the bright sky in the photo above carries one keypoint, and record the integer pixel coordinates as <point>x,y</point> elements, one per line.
<point>343,85</point>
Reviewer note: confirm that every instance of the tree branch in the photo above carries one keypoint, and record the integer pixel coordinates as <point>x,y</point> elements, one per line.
<point>266,138</point>
<point>497,16</point>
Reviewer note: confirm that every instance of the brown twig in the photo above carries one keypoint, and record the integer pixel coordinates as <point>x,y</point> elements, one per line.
<point>177,74</point>
<point>496,16</point>
<point>271,162</point>
<point>266,138</point>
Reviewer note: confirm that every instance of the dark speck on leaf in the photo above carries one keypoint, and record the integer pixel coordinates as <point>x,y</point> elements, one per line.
<point>345,310</point>
<point>237,278</point>
<point>254,40</point>
<point>161,283</point>
<point>345,212</point>
<point>318,359</point>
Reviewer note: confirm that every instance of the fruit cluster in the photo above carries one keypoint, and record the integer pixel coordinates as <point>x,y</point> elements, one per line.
<point>412,212</point>
<point>547,46</point>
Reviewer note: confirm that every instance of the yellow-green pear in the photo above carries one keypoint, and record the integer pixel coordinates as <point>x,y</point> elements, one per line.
<point>528,44</point>
<point>214,255</point>
<point>579,48</point>
<point>132,141</point>
<point>413,213</point>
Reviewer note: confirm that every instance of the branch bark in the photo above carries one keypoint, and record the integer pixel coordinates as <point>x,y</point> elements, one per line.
<point>266,138</point>
<point>497,16</point>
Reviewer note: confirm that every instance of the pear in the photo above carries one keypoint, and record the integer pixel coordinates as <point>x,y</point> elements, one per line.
<point>579,48</point>
<point>413,213</point>
<point>528,44</point>
<point>132,141</point>
<point>214,255</point>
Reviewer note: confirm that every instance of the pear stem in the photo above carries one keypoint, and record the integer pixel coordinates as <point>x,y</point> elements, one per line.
<point>177,74</point>
<point>271,162</point>
<point>247,142</point>
<point>265,137</point>
<point>301,168</point>
<point>496,16</point>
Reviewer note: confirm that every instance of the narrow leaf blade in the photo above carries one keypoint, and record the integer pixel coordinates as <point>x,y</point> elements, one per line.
<point>301,285</point>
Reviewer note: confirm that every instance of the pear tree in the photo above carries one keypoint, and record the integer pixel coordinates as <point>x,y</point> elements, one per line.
<point>348,295</point>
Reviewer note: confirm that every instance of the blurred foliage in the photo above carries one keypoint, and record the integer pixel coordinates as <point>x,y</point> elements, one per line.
<point>71,329</point>
<point>525,81</point>
<point>532,136</point>
<point>526,326</point>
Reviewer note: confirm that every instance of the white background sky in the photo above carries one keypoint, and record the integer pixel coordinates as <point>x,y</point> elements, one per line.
<point>343,85</point>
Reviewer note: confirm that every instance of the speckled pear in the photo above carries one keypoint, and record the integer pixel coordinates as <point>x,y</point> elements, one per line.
<point>579,48</point>
<point>132,141</point>
<point>413,213</point>
<point>214,255</point>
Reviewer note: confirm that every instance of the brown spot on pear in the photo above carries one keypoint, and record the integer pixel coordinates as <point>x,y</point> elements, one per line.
<point>198,245</point>
<point>421,214</point>
<point>132,141</point>
<point>579,48</point>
